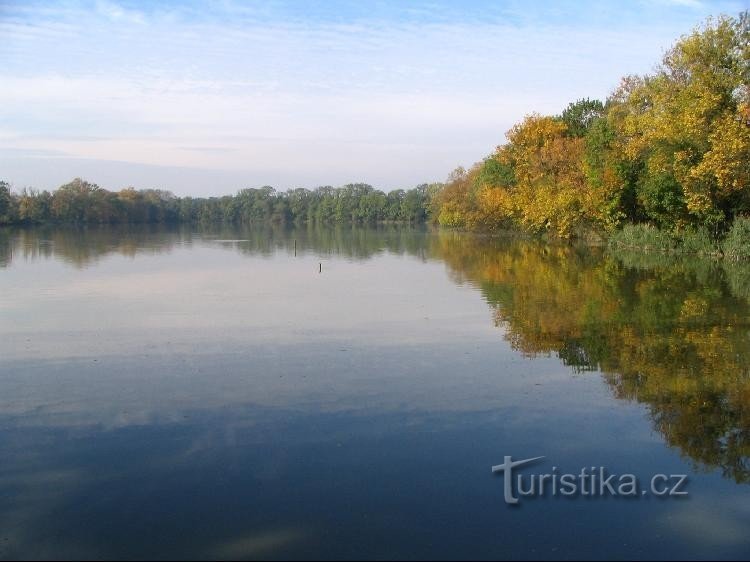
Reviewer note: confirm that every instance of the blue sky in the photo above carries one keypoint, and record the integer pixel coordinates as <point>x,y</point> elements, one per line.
<point>206,98</point>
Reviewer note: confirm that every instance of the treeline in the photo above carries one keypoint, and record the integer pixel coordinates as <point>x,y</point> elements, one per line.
<point>81,202</point>
<point>670,149</point>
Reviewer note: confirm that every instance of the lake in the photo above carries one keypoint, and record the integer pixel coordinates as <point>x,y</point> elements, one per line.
<point>345,392</point>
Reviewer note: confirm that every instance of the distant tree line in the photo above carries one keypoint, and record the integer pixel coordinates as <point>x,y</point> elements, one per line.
<point>81,202</point>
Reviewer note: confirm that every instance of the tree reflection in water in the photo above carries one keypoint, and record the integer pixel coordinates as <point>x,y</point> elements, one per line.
<point>671,333</point>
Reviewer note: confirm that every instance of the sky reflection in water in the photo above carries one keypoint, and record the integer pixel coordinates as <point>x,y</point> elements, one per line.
<point>168,393</point>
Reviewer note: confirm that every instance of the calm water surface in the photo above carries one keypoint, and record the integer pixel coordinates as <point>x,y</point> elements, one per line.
<point>207,393</point>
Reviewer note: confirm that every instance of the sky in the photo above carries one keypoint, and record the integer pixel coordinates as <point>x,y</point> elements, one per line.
<point>205,98</point>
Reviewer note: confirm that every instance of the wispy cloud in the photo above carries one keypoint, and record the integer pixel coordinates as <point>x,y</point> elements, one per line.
<point>402,94</point>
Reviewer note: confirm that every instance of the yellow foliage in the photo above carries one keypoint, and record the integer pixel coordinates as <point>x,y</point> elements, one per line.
<point>674,148</point>
<point>661,337</point>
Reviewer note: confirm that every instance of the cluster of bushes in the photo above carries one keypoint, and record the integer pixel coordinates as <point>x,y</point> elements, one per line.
<point>699,241</point>
<point>736,245</point>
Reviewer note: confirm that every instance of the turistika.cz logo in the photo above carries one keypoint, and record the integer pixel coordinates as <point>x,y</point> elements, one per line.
<point>590,481</point>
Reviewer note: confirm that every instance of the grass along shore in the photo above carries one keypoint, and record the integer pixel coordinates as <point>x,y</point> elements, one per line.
<point>734,246</point>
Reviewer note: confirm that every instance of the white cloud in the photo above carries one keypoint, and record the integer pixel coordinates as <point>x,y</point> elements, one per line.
<point>376,100</point>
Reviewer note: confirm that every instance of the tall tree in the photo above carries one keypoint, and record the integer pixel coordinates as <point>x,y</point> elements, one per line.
<point>5,201</point>
<point>689,124</point>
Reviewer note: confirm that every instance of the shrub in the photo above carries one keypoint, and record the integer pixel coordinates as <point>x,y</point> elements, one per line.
<point>697,241</point>
<point>736,245</point>
<point>642,236</point>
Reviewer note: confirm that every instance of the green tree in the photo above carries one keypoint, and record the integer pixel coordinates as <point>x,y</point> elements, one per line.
<point>5,201</point>
<point>580,115</point>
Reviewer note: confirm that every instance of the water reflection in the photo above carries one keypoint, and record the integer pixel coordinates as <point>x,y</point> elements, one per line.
<point>83,247</point>
<point>205,392</point>
<point>668,332</point>
<point>672,334</point>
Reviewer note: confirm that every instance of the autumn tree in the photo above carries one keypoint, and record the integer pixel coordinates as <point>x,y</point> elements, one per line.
<point>688,124</point>
<point>550,185</point>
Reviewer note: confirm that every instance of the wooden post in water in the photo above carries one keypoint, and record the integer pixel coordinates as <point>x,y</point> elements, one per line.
<point>295,248</point>
<point>320,268</point>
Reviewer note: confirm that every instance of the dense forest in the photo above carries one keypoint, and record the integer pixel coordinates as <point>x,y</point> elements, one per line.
<point>670,150</point>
